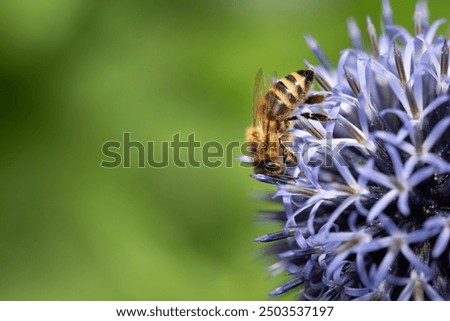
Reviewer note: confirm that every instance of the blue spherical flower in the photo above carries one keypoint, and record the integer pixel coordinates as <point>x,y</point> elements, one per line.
<point>367,209</point>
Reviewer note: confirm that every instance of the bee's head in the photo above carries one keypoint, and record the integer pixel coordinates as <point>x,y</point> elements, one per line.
<point>270,167</point>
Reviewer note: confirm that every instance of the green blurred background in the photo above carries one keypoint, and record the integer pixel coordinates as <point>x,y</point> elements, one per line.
<point>75,74</point>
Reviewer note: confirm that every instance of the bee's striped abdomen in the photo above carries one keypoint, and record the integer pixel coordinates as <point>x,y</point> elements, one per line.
<point>287,93</point>
<point>303,82</point>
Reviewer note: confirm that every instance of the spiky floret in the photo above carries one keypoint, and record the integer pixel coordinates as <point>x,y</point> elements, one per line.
<point>367,216</point>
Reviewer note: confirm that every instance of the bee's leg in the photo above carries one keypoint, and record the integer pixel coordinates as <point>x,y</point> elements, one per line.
<point>290,157</point>
<point>315,99</point>
<point>288,153</point>
<point>288,123</point>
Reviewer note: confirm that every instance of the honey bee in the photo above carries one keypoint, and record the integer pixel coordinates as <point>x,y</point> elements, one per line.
<point>268,138</point>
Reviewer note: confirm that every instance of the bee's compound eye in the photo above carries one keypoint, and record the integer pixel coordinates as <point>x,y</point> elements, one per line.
<point>272,166</point>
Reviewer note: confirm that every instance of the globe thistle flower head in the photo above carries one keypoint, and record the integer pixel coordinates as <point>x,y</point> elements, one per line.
<point>367,209</point>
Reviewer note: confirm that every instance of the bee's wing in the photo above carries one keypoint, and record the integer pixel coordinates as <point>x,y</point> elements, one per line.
<point>258,93</point>
<point>273,79</point>
<point>261,87</point>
